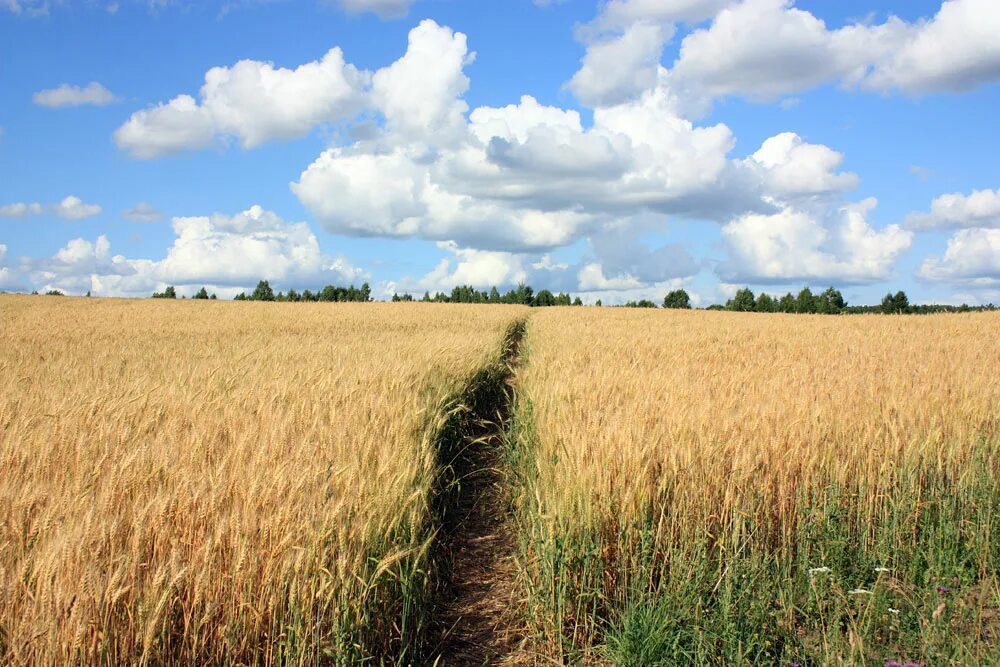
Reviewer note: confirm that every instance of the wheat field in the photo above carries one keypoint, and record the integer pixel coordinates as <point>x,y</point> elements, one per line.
<point>220,483</point>
<point>723,488</point>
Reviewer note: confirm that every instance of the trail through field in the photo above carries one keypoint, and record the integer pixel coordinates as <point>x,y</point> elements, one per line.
<point>478,615</point>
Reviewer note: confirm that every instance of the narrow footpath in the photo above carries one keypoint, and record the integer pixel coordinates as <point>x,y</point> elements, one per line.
<point>477,616</point>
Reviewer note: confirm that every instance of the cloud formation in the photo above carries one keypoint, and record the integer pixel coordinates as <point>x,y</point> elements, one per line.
<point>226,253</point>
<point>253,102</point>
<point>93,94</point>
<point>981,208</point>
<point>70,208</point>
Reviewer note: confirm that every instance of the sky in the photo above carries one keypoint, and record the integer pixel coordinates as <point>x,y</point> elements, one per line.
<point>616,149</point>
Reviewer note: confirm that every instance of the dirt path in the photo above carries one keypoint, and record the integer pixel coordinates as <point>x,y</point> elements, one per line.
<point>477,619</point>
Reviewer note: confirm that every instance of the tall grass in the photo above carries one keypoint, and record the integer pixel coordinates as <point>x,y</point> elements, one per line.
<point>218,483</point>
<point>718,488</point>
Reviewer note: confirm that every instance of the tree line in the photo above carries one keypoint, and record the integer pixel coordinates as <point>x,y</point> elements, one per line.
<point>832,302</point>
<point>828,302</point>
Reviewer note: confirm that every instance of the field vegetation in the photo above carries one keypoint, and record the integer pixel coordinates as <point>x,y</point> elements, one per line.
<point>728,488</point>
<point>218,483</point>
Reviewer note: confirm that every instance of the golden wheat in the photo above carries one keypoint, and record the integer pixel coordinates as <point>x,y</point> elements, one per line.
<point>671,439</point>
<point>216,482</point>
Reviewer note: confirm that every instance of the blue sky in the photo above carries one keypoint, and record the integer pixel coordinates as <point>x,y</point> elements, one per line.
<point>613,149</point>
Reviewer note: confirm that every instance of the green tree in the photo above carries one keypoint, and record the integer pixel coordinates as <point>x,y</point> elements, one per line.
<point>678,298</point>
<point>544,298</point>
<point>743,301</point>
<point>765,303</point>
<point>805,302</point>
<point>201,294</point>
<point>579,302</point>
<point>262,292</point>
<point>169,293</point>
<point>786,304</point>
<point>830,301</point>
<point>895,303</point>
<point>598,303</point>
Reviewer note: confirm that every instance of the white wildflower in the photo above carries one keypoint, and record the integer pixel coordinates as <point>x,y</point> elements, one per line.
<point>859,591</point>
<point>819,570</point>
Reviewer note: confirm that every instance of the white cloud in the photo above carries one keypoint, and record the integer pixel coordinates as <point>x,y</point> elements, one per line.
<point>972,258</point>
<point>227,253</point>
<point>981,208</point>
<point>74,96</point>
<point>592,278</point>
<point>386,9</point>
<point>142,212</point>
<point>616,69</point>
<point>26,7</point>
<point>762,49</point>
<point>70,208</point>
<point>420,94</point>
<point>801,245</point>
<point>623,13</point>
<point>252,101</point>
<point>793,168</point>
<point>956,50</point>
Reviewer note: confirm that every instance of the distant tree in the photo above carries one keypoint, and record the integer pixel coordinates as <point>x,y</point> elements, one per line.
<point>213,297</point>
<point>830,301</point>
<point>494,295</point>
<point>88,294</point>
<point>786,304</point>
<point>262,292</point>
<point>642,303</point>
<point>544,298</point>
<point>579,302</point>
<point>805,302</point>
<point>716,306</point>
<point>242,296</point>
<point>598,303</point>
<point>34,292</point>
<point>895,303</point>
<point>169,293</point>
<point>742,301</point>
<point>54,292</point>
<point>201,294</point>
<point>765,303</point>
<point>294,296</point>
<point>402,297</point>
<point>678,298</point>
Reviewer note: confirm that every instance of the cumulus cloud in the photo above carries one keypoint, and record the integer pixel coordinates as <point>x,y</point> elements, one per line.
<point>793,168</point>
<point>981,208</point>
<point>74,96</point>
<point>142,212</point>
<point>70,208</point>
<point>253,102</point>
<point>227,253</point>
<point>795,245</point>
<point>420,94</point>
<point>762,49</point>
<point>616,69</point>
<point>972,257</point>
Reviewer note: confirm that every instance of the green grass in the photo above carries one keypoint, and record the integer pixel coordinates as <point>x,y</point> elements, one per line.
<point>922,585</point>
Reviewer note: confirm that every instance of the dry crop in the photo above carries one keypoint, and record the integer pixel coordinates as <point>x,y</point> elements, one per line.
<point>724,488</point>
<point>220,483</point>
